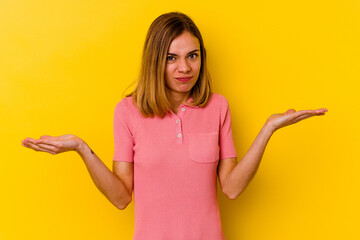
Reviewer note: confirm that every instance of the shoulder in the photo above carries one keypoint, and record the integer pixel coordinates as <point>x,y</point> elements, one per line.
<point>219,99</point>
<point>217,105</point>
<point>125,104</point>
<point>218,96</point>
<point>125,108</point>
<point>222,105</point>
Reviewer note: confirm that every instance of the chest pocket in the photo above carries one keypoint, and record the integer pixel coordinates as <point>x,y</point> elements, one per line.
<point>204,147</point>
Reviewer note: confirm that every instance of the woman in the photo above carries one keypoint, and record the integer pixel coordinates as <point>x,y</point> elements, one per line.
<point>173,138</point>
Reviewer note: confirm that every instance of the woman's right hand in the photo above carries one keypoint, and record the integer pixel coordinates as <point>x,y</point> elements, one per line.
<point>54,145</point>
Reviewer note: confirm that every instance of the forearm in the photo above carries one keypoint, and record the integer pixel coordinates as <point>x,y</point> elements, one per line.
<point>105,180</point>
<point>240,176</point>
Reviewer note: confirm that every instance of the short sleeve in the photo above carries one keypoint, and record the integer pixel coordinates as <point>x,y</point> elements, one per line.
<point>227,147</point>
<point>123,138</point>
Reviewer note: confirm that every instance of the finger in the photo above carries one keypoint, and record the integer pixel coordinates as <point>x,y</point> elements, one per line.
<point>48,142</point>
<point>303,113</point>
<point>26,141</point>
<point>321,111</point>
<point>317,111</point>
<point>37,148</point>
<point>32,140</point>
<point>48,137</point>
<point>23,143</point>
<point>312,112</point>
<point>290,111</point>
<point>33,146</point>
<point>40,147</point>
<point>51,145</point>
<point>298,119</point>
<point>48,147</point>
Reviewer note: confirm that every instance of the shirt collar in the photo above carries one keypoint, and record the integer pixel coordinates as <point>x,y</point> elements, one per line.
<point>188,101</point>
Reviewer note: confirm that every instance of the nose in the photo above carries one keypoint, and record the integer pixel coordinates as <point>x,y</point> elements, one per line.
<point>184,66</point>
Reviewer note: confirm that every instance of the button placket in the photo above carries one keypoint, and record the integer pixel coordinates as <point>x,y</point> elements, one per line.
<point>179,135</point>
<point>178,123</point>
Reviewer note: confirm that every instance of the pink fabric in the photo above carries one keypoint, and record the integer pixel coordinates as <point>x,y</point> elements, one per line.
<point>175,168</point>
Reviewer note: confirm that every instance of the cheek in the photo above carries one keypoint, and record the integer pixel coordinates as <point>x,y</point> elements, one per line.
<point>197,67</point>
<point>168,74</point>
<point>169,70</point>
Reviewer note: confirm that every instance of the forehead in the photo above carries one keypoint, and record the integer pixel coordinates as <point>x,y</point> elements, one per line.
<point>184,43</point>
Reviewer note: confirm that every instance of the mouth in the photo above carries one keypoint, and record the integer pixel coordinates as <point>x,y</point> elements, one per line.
<point>184,79</point>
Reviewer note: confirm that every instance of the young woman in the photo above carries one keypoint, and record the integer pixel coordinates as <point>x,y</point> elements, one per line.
<point>173,138</point>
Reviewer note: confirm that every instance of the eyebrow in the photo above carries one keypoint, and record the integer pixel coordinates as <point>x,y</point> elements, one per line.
<point>173,54</point>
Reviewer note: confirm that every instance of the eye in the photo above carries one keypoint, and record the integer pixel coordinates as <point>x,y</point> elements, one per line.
<point>170,58</point>
<point>193,55</point>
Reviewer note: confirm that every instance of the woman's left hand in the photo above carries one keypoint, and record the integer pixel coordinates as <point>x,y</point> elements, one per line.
<point>289,117</point>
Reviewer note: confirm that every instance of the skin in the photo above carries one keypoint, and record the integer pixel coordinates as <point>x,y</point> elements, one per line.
<point>234,176</point>
<point>183,60</point>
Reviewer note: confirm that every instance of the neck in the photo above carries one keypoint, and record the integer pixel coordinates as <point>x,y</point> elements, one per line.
<point>176,99</point>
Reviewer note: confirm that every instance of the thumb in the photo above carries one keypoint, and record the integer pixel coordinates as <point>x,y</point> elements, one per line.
<point>47,137</point>
<point>290,111</point>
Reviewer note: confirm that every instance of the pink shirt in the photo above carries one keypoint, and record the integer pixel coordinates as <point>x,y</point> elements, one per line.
<point>175,168</point>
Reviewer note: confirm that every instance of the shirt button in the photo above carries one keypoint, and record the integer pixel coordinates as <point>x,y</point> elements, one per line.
<point>179,135</point>
<point>177,121</point>
<point>183,109</point>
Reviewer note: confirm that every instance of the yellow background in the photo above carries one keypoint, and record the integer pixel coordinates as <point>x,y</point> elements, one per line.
<point>65,64</point>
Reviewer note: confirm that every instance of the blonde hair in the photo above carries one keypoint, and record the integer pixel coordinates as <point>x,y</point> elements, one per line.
<point>150,94</point>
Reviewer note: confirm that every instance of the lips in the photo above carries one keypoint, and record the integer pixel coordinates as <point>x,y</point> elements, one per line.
<point>183,79</point>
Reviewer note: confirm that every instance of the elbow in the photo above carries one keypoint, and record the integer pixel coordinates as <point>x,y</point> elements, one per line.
<point>231,194</point>
<point>121,206</point>
<point>123,203</point>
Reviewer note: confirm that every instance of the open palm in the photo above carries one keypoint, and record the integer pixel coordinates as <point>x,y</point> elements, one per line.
<point>289,117</point>
<point>53,145</point>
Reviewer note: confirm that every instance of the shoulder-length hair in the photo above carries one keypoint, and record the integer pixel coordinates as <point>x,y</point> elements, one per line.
<point>150,94</point>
